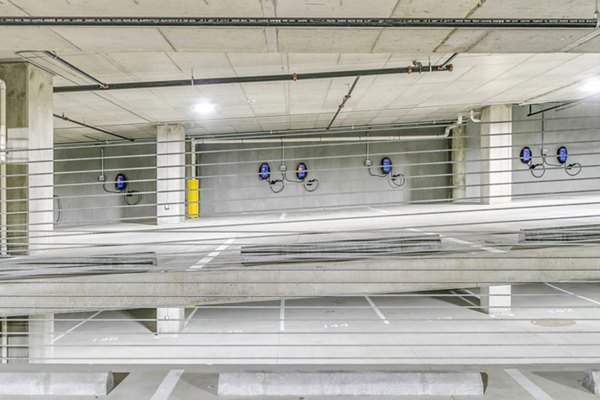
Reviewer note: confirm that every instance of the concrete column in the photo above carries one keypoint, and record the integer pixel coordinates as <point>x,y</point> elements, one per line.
<point>496,154</point>
<point>30,163</point>
<point>17,341</point>
<point>170,320</point>
<point>41,338</point>
<point>496,300</point>
<point>459,163</point>
<point>170,174</point>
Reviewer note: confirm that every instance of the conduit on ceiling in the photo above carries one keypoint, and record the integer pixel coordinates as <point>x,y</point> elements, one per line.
<point>493,23</point>
<point>95,128</point>
<point>256,78</point>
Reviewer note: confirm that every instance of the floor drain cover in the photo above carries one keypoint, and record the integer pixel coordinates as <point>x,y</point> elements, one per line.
<point>553,322</point>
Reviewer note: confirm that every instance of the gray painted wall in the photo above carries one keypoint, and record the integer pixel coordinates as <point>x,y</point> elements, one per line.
<point>577,124</point>
<point>82,197</point>
<point>229,175</point>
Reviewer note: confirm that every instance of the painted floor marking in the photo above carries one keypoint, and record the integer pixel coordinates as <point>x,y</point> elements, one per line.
<point>76,326</point>
<point>211,255</point>
<point>282,217</point>
<point>282,316</point>
<point>167,385</point>
<point>377,311</point>
<point>189,318</point>
<point>464,298</point>
<point>533,389</point>
<point>573,294</point>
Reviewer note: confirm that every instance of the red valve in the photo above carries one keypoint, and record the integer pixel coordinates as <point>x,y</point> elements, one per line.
<point>294,77</point>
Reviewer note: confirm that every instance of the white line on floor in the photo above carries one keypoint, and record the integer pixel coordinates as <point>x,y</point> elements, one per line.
<point>378,210</point>
<point>377,311</point>
<point>460,241</point>
<point>189,318</point>
<point>76,326</point>
<point>573,294</point>
<point>464,298</point>
<point>282,216</point>
<point>211,255</point>
<point>282,316</point>
<point>167,385</point>
<point>533,389</point>
<point>472,294</point>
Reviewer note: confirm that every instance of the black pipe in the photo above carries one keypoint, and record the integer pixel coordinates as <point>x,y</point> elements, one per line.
<point>346,98</point>
<point>73,67</point>
<point>246,79</point>
<point>493,23</point>
<point>95,128</point>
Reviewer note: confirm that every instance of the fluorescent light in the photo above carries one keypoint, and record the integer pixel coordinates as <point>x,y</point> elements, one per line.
<point>591,85</point>
<point>204,108</point>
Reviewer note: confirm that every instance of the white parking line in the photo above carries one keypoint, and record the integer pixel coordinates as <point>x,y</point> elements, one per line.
<point>167,385</point>
<point>464,298</point>
<point>282,316</point>
<point>460,241</point>
<point>282,217</point>
<point>377,311</point>
<point>573,294</point>
<point>533,389</point>
<point>379,210</point>
<point>189,318</point>
<point>211,255</point>
<point>75,327</point>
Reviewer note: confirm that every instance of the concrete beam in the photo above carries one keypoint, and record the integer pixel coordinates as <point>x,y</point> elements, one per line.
<point>55,383</point>
<point>186,288</point>
<point>351,384</point>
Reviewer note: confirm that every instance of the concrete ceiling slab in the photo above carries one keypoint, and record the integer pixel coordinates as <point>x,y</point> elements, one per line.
<point>258,64</point>
<point>337,8</point>
<point>204,65</point>
<point>145,8</point>
<point>410,40</point>
<point>145,65</point>
<point>327,40</point>
<point>434,8</point>
<point>114,40</point>
<point>536,9</point>
<point>527,41</point>
<point>215,40</point>
<point>16,38</point>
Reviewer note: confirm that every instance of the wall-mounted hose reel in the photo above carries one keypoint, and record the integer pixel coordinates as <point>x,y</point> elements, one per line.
<point>539,169</point>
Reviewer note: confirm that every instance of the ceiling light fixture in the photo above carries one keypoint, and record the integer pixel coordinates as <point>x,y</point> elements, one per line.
<point>204,108</point>
<point>591,85</point>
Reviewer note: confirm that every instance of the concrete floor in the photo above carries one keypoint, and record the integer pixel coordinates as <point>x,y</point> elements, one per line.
<point>547,325</point>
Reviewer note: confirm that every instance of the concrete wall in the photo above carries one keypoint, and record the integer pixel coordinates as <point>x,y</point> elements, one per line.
<point>82,198</point>
<point>577,124</point>
<point>229,174</point>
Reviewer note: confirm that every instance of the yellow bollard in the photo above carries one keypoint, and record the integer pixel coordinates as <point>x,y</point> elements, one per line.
<point>193,204</point>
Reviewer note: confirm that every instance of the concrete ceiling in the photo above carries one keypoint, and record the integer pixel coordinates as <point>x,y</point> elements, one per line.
<point>494,65</point>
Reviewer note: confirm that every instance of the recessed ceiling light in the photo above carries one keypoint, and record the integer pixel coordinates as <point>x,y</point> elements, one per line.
<point>204,108</point>
<point>251,101</point>
<point>591,85</point>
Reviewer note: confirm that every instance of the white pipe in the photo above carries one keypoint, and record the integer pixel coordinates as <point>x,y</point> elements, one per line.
<point>3,160</point>
<point>472,116</point>
<point>324,139</point>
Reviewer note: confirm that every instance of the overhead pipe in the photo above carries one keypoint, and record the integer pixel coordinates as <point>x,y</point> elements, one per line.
<point>308,22</point>
<point>3,184</point>
<point>78,70</point>
<point>251,79</point>
<point>95,128</point>
<point>343,103</point>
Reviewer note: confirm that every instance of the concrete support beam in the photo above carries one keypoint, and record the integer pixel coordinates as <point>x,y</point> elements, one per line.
<point>496,300</point>
<point>30,137</point>
<point>262,384</point>
<point>496,154</point>
<point>170,174</point>
<point>459,163</point>
<point>170,320</point>
<point>41,338</point>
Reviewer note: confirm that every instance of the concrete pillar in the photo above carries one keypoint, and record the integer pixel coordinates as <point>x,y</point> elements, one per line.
<point>41,338</point>
<point>459,163</point>
<point>16,340</point>
<point>496,300</point>
<point>170,320</point>
<point>496,154</point>
<point>30,164</point>
<point>170,174</point>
